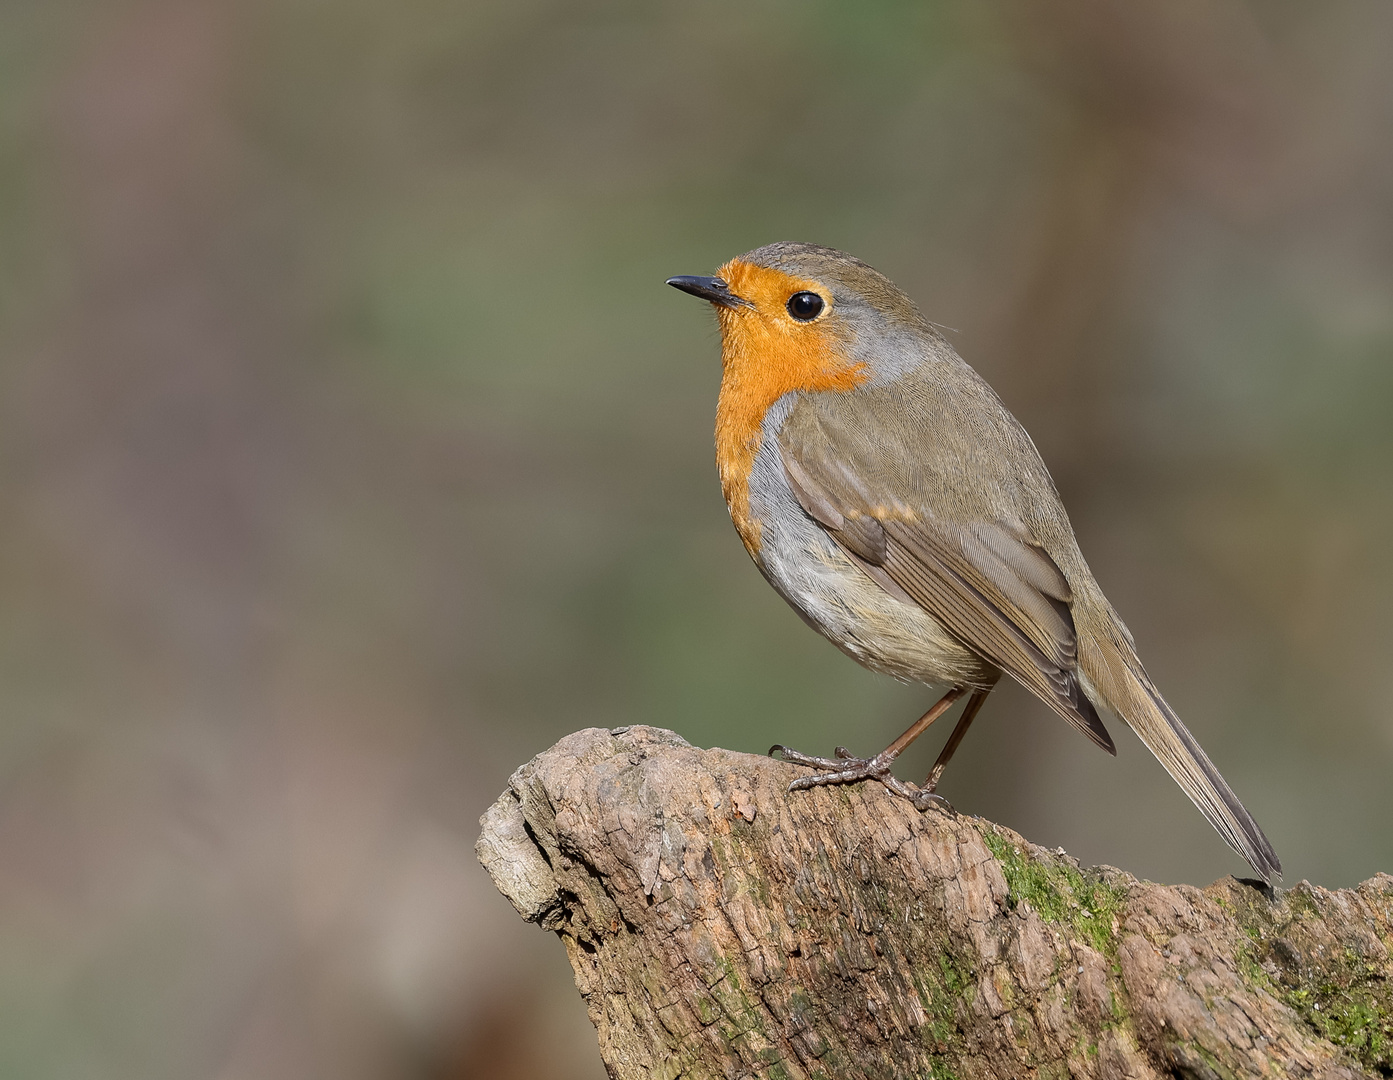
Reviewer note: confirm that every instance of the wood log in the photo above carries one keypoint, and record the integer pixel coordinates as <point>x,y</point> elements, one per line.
<point>720,926</point>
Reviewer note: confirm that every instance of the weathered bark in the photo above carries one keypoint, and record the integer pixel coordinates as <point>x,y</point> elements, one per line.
<point>721,927</point>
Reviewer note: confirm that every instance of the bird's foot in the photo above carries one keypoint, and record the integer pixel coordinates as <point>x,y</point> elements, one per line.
<point>848,769</point>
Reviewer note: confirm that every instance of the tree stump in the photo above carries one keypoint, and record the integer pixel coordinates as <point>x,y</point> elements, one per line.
<point>720,926</point>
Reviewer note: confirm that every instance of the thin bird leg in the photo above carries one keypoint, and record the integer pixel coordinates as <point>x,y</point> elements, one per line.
<point>950,747</point>
<point>845,769</point>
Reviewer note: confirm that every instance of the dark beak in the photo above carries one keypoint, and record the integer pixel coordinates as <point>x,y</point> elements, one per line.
<point>709,288</point>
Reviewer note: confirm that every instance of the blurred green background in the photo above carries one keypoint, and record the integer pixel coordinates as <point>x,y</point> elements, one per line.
<point>352,451</point>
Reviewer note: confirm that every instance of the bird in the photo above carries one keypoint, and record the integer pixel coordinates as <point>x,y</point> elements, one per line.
<point>887,494</point>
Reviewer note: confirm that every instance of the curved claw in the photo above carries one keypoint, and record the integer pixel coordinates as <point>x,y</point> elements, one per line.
<point>925,799</point>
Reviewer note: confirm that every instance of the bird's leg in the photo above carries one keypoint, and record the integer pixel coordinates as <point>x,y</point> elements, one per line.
<point>926,793</point>
<point>845,769</point>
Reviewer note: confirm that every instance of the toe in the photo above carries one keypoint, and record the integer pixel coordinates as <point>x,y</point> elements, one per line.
<point>926,799</point>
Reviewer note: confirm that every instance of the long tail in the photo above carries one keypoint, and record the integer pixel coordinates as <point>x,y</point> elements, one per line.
<point>1111,665</point>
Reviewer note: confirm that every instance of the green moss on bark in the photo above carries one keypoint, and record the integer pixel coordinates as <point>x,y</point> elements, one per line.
<point>1059,892</point>
<point>1342,996</point>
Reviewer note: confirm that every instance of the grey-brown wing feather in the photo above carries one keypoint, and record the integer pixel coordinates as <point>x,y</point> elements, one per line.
<point>1002,596</point>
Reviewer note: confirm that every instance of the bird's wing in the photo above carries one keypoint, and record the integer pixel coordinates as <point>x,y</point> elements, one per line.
<point>987,582</point>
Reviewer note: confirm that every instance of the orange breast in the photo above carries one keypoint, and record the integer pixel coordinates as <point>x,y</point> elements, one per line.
<point>765,353</point>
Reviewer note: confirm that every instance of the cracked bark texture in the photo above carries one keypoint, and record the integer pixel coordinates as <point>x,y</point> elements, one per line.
<point>719,926</point>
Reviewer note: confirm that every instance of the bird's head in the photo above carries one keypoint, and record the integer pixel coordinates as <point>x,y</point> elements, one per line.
<point>797,318</point>
<point>802,317</point>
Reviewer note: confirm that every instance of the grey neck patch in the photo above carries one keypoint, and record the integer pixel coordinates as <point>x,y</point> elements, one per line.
<point>775,416</point>
<point>889,348</point>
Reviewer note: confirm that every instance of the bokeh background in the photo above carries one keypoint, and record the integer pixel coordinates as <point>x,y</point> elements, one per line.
<point>352,451</point>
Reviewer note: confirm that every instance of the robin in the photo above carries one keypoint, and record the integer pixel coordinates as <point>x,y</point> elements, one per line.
<point>887,494</point>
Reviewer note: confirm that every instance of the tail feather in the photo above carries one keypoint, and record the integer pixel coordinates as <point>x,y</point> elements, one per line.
<point>1122,686</point>
<point>1187,762</point>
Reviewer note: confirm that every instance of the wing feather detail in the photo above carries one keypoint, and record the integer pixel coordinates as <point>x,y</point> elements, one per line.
<point>1000,595</point>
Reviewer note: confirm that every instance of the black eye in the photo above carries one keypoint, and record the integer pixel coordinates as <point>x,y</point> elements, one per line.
<point>805,305</point>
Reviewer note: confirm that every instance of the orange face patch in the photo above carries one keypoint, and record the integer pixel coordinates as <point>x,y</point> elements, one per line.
<point>765,353</point>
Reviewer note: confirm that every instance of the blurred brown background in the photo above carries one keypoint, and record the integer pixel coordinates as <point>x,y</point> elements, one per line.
<point>352,451</point>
